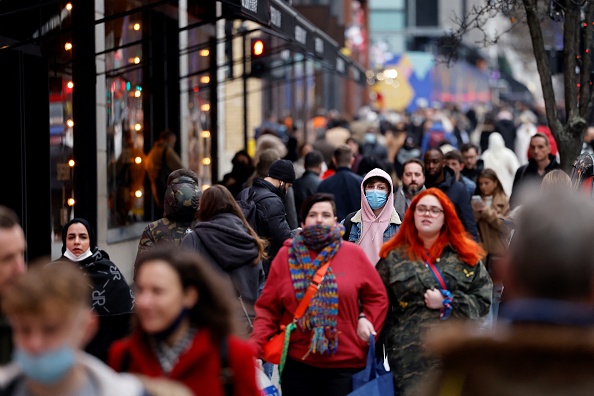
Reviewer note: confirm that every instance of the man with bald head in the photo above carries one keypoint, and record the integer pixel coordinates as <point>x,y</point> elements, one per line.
<point>12,264</point>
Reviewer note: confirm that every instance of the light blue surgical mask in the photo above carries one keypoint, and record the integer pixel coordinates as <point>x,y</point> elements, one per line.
<point>47,367</point>
<point>370,138</point>
<point>376,198</point>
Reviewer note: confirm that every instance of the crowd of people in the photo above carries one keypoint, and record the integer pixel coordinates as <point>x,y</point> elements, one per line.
<point>419,230</point>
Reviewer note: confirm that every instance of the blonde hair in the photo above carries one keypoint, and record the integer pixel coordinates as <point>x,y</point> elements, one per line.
<point>555,180</point>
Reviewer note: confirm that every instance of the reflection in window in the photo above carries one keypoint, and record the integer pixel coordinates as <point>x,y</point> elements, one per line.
<point>125,134</point>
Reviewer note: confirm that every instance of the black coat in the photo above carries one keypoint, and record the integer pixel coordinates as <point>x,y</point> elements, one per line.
<point>527,176</point>
<point>345,185</point>
<point>305,186</point>
<point>456,192</point>
<point>111,298</point>
<point>271,219</point>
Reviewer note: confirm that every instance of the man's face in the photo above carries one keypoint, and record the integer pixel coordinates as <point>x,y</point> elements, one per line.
<point>454,165</point>
<point>434,163</point>
<point>37,333</point>
<point>12,255</point>
<point>470,158</point>
<point>539,148</point>
<point>412,178</point>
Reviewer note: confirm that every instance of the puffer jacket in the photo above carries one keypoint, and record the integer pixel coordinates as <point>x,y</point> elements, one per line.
<point>182,200</point>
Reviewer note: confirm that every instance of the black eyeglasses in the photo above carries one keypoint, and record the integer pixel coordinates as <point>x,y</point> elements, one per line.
<point>433,211</point>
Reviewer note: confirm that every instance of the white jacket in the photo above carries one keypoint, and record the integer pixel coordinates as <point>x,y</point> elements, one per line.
<point>110,382</point>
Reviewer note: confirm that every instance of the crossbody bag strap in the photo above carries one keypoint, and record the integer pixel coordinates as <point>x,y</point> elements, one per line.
<point>311,291</point>
<point>436,273</point>
<point>446,309</point>
<point>303,304</point>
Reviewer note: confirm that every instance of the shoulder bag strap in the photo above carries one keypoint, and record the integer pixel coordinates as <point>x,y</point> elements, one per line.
<point>226,371</point>
<point>436,273</point>
<point>311,291</point>
<point>445,311</point>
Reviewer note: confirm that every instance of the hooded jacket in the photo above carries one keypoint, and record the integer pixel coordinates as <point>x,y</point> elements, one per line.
<point>366,227</point>
<point>457,193</point>
<point>182,200</point>
<point>502,160</point>
<point>227,245</point>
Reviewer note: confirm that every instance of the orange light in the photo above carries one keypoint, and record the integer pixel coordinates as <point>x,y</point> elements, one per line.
<point>71,201</point>
<point>138,160</point>
<point>136,26</point>
<point>138,194</point>
<point>205,79</point>
<point>70,123</point>
<point>137,127</point>
<point>71,163</point>
<point>204,52</point>
<point>69,6</point>
<point>258,48</point>
<point>68,46</point>
<point>70,84</point>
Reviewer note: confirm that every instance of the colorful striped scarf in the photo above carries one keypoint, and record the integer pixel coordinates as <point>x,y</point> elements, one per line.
<point>321,314</point>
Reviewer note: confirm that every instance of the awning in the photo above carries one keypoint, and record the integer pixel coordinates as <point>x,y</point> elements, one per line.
<point>293,27</point>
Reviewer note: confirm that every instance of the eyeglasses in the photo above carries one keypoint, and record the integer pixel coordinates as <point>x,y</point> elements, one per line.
<point>433,211</point>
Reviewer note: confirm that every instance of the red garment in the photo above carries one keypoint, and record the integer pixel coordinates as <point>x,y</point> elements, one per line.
<point>198,367</point>
<point>327,174</point>
<point>357,280</point>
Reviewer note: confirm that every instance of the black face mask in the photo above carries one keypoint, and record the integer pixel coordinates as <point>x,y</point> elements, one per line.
<point>282,191</point>
<point>241,171</point>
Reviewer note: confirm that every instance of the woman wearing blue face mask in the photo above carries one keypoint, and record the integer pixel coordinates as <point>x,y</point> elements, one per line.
<point>377,221</point>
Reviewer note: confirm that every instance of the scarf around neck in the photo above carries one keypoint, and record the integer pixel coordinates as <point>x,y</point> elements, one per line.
<point>320,316</point>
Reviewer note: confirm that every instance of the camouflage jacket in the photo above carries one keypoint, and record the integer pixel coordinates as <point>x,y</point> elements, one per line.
<point>182,200</point>
<point>407,282</point>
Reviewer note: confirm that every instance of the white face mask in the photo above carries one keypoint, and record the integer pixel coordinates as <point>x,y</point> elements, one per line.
<point>72,257</point>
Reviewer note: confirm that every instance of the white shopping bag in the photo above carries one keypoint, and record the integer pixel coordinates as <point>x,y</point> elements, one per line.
<point>265,385</point>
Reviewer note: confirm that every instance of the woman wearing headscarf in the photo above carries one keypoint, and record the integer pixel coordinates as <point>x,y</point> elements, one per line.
<point>330,341</point>
<point>433,271</point>
<point>112,298</point>
<point>377,221</point>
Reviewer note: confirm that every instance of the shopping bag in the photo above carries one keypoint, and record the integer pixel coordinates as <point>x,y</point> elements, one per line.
<point>374,379</point>
<point>265,384</point>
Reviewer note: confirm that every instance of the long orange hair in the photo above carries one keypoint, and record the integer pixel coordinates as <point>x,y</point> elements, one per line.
<point>452,233</point>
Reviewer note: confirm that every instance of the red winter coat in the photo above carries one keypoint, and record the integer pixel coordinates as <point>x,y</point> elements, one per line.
<point>198,367</point>
<point>357,281</point>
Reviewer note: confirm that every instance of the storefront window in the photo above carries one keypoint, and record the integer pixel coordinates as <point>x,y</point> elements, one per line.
<point>123,59</point>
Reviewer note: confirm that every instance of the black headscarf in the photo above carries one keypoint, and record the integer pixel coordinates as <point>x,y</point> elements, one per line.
<point>92,237</point>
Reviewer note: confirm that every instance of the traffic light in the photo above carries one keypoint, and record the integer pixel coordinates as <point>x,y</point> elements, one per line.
<point>259,52</point>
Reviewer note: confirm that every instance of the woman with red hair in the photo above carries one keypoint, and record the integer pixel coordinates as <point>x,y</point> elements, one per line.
<point>433,271</point>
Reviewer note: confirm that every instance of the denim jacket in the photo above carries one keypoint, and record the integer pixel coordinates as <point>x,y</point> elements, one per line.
<point>355,233</point>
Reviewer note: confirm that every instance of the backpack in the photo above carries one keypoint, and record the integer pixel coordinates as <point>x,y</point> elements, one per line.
<point>247,204</point>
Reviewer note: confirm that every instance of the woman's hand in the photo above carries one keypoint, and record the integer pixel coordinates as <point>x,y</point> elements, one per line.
<point>365,329</point>
<point>433,299</point>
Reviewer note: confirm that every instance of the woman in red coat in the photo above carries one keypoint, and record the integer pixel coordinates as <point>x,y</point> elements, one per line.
<point>184,319</point>
<point>329,344</point>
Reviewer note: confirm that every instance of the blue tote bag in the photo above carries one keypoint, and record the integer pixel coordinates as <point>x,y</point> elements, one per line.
<point>374,379</point>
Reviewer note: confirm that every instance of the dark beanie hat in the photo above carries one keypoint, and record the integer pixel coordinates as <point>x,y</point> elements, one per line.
<point>92,238</point>
<point>282,170</point>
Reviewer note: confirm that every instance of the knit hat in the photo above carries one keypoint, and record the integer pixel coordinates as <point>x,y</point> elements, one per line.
<point>282,170</point>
